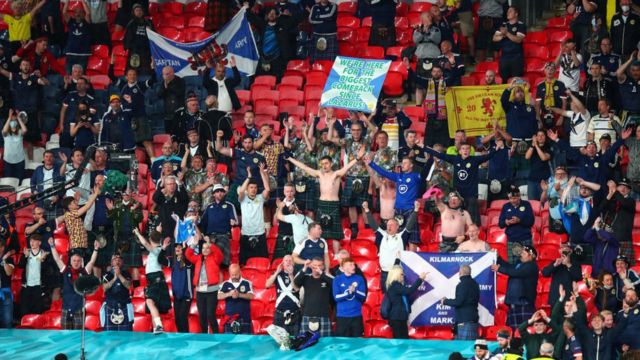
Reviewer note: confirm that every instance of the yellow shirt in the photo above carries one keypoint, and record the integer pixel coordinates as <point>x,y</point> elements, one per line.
<point>19,29</point>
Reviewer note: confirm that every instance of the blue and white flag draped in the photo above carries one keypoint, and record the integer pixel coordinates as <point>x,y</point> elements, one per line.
<point>441,282</point>
<point>236,34</point>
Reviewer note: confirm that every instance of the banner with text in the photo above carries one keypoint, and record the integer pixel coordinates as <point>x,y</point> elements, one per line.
<point>354,84</point>
<point>441,282</point>
<point>475,109</point>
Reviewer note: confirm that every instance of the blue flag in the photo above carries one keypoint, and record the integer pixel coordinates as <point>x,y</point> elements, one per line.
<point>236,34</point>
<point>441,282</point>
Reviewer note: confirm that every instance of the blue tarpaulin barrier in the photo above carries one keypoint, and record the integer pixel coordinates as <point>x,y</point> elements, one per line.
<point>19,344</point>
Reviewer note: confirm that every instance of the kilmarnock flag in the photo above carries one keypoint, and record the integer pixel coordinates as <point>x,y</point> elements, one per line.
<point>236,34</point>
<point>441,282</point>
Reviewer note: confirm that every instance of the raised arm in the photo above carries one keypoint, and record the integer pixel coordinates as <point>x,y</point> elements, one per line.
<point>359,156</point>
<point>94,256</point>
<point>308,170</point>
<point>621,73</point>
<point>243,188</point>
<point>56,256</point>
<point>90,201</point>
<point>37,8</point>
<point>219,148</point>
<point>147,245</point>
<point>264,174</point>
<point>448,158</point>
<point>373,224</point>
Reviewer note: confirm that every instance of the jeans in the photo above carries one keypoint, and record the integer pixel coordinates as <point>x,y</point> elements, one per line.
<point>534,191</point>
<point>207,304</point>
<point>6,308</point>
<point>181,310</point>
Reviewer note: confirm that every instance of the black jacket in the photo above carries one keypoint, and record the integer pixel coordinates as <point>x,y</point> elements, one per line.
<point>396,292</point>
<point>523,282</point>
<point>284,29</point>
<point>466,301</point>
<point>561,275</point>
<point>599,347</point>
<point>625,36</point>
<point>212,86</point>
<point>176,204</point>
<point>172,95</point>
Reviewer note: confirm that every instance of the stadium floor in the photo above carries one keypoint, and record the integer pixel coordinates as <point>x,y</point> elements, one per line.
<point>19,344</point>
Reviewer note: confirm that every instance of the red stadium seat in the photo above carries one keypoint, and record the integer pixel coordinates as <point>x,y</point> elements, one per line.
<point>559,35</point>
<point>316,78</point>
<point>194,322</point>
<point>402,8</point>
<point>257,278</point>
<point>395,51</point>
<point>392,85</point>
<point>348,8</point>
<point>401,23</point>
<point>414,19</point>
<point>417,333</point>
<point>93,307</point>
<point>469,81</point>
<point>265,80</point>
<point>368,267</point>
<point>380,329</point>
<point>373,283</point>
<point>362,35</point>
<point>296,95</point>
<point>32,321</point>
<point>372,52</point>
<point>297,67</point>
<point>347,35</point>
<point>534,65</point>
<point>439,333</point>
<point>296,81</point>
<point>172,34</point>
<point>261,94</point>
<point>197,7</point>
<point>559,22</point>
<point>536,51</point>
<point>97,66</point>
<point>414,111</point>
<point>348,21</point>
<point>100,82</point>
<point>175,22</point>
<point>491,332</point>
<point>487,65</point>
<point>367,22</point>
<point>404,37</point>
<point>419,7</point>
<point>258,263</point>
<point>92,322</point>
<point>364,249</point>
<point>52,320</point>
<point>142,323</point>
<point>175,8</point>
<point>536,37</point>
<point>196,21</point>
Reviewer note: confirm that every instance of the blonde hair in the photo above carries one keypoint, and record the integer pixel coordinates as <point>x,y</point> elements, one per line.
<point>395,274</point>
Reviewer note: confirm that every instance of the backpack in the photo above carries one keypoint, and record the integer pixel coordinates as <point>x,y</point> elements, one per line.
<point>385,307</point>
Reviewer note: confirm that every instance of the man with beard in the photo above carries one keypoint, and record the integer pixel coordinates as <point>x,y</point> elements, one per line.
<point>115,126</point>
<point>631,312</point>
<point>125,214</point>
<point>299,146</point>
<point>329,203</point>
<point>193,147</point>
<point>137,42</point>
<point>455,220</point>
<point>287,313</point>
<point>357,182</point>
<point>117,308</point>
<point>393,122</point>
<point>194,177</point>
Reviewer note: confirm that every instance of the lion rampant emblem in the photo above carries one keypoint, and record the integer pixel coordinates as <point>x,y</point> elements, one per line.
<point>488,106</point>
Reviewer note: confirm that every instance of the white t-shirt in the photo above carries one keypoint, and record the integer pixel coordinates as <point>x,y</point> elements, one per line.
<point>84,186</point>
<point>152,261</point>
<point>252,215</point>
<point>300,225</point>
<point>34,264</point>
<point>13,149</point>
<point>47,178</point>
<point>389,248</point>
<point>569,73</point>
<point>578,123</point>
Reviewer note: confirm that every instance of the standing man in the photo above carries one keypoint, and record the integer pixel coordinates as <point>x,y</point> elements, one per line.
<point>115,126</point>
<point>311,248</point>
<point>518,218</point>
<point>510,37</point>
<point>466,305</point>
<point>172,91</point>
<point>253,241</point>
<point>6,302</point>
<point>167,156</point>
<point>328,212</point>
<point>117,308</point>
<point>287,314</point>
<point>629,88</point>
<point>394,122</point>
<point>625,30</point>
<point>137,42</point>
<point>349,292</point>
<point>216,223</point>
<point>317,297</point>
<point>170,200</point>
<point>237,293</point>
<point>221,87</point>
<point>324,42</point>
<point>186,119</point>
<point>521,286</point>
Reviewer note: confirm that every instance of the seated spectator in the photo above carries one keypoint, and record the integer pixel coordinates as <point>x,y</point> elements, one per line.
<point>287,312</point>
<point>237,293</point>
<point>79,35</point>
<point>156,293</point>
<point>544,331</point>
<point>397,292</point>
<point>72,315</point>
<point>427,37</point>
<point>207,279</point>
<point>480,350</point>
<point>115,126</point>
<point>117,301</point>
<point>19,24</point>
<point>503,338</point>
<point>349,292</point>
<point>317,297</point>
<point>509,37</point>
<point>473,243</point>
<point>6,306</point>
<point>521,287</point>
<point>136,41</point>
<point>221,87</point>
<point>324,40</point>
<point>517,218</point>
<point>13,155</point>
<point>569,62</point>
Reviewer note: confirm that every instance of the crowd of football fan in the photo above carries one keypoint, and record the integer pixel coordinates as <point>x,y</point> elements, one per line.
<point>566,162</point>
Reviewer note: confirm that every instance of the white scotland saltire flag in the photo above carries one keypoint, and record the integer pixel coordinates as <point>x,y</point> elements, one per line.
<point>442,281</point>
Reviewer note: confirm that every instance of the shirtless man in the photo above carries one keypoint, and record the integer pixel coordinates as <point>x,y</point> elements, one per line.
<point>454,220</point>
<point>328,212</point>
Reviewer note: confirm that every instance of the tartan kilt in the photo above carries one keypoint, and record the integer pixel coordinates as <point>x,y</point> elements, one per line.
<point>413,233</point>
<point>283,246</point>
<point>71,320</point>
<point>294,326</point>
<point>104,255</point>
<point>626,249</point>
<point>325,325</point>
<point>157,291</point>
<point>467,331</point>
<point>352,199</point>
<point>510,245</point>
<point>127,323</point>
<point>518,314</point>
<point>217,15</point>
<point>129,250</point>
<point>331,208</point>
<point>329,53</point>
<point>245,327</point>
<point>308,200</point>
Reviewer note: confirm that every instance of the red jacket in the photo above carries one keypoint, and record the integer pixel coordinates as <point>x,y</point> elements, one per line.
<point>47,61</point>
<point>212,265</point>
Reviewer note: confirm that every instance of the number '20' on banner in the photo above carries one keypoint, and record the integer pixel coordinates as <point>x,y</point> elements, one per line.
<point>441,282</point>
<point>354,84</point>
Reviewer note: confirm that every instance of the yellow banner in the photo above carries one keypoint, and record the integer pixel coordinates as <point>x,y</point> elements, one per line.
<point>611,10</point>
<point>474,109</point>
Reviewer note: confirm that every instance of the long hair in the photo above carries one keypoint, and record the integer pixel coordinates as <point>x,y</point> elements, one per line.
<point>395,274</point>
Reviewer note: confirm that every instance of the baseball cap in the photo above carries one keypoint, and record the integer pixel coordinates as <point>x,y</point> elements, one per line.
<point>218,187</point>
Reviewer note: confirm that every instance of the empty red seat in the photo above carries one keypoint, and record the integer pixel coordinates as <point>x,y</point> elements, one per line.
<point>348,21</point>
<point>296,95</point>
<point>491,331</point>
<point>262,94</point>
<point>92,322</point>
<point>439,333</point>
<point>97,66</point>
<point>419,7</point>
<point>52,320</point>
<point>392,85</point>
<point>558,22</point>
<point>536,51</point>
<point>196,7</point>
<point>142,323</point>
<point>100,82</point>
<point>534,65</point>
<point>416,111</point>
<point>268,80</point>
<point>348,7</point>
<point>293,80</point>
<point>258,263</point>
<point>469,81</point>
<point>536,37</point>
<point>487,65</point>
<point>93,307</point>
<point>380,329</point>
<point>297,67</point>
<point>175,22</point>
<point>372,52</point>
<point>171,33</point>
<point>413,18</point>
<point>401,23</point>
<point>257,278</point>
<point>364,249</point>
<point>32,321</point>
<point>368,267</point>
<point>367,22</point>
<point>173,7</point>
<point>559,35</point>
<point>196,21</point>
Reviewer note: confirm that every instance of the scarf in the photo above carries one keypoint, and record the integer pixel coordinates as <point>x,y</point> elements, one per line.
<point>549,99</point>
<point>434,102</point>
<point>75,273</point>
<point>584,209</point>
